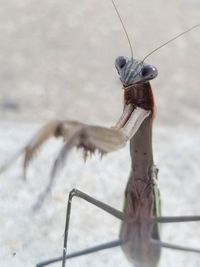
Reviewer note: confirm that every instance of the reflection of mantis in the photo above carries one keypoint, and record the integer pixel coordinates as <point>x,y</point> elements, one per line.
<point>139,234</point>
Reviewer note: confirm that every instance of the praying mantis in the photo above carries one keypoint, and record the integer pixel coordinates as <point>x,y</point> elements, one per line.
<point>134,125</point>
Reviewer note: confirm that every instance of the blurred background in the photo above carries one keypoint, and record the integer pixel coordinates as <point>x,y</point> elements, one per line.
<point>57,61</point>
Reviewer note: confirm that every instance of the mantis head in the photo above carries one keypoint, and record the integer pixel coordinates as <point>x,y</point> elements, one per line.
<point>138,98</point>
<point>133,71</point>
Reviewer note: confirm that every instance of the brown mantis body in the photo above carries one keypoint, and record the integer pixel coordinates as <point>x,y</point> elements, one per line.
<point>139,194</point>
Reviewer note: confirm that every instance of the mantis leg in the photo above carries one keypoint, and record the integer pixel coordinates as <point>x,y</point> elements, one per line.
<point>116,213</point>
<point>176,247</point>
<point>108,245</point>
<point>177,219</point>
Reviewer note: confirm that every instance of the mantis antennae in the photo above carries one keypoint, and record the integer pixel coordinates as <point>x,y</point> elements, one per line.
<point>171,40</point>
<point>124,28</point>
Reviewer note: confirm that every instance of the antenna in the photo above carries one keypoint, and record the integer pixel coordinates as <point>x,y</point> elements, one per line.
<point>171,40</point>
<point>123,26</point>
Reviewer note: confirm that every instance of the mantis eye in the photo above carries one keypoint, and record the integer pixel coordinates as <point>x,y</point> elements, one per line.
<point>149,72</point>
<point>120,62</point>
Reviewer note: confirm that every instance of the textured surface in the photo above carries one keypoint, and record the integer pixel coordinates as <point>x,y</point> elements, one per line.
<point>56,60</point>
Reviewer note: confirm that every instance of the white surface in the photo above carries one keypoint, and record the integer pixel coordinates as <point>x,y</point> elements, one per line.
<point>56,60</point>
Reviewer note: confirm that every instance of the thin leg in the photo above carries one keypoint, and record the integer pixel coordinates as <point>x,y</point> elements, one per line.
<point>118,214</point>
<point>171,246</point>
<point>176,219</point>
<point>108,245</point>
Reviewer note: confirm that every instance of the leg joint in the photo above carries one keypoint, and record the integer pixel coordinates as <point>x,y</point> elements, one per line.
<point>73,192</point>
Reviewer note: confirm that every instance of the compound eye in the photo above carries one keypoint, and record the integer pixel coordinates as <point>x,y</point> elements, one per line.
<point>146,71</point>
<point>149,71</point>
<point>120,62</point>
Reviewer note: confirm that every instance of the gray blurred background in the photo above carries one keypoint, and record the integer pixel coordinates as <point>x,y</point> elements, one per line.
<point>57,61</point>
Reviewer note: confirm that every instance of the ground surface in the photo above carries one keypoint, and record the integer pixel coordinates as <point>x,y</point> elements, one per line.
<point>56,61</point>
